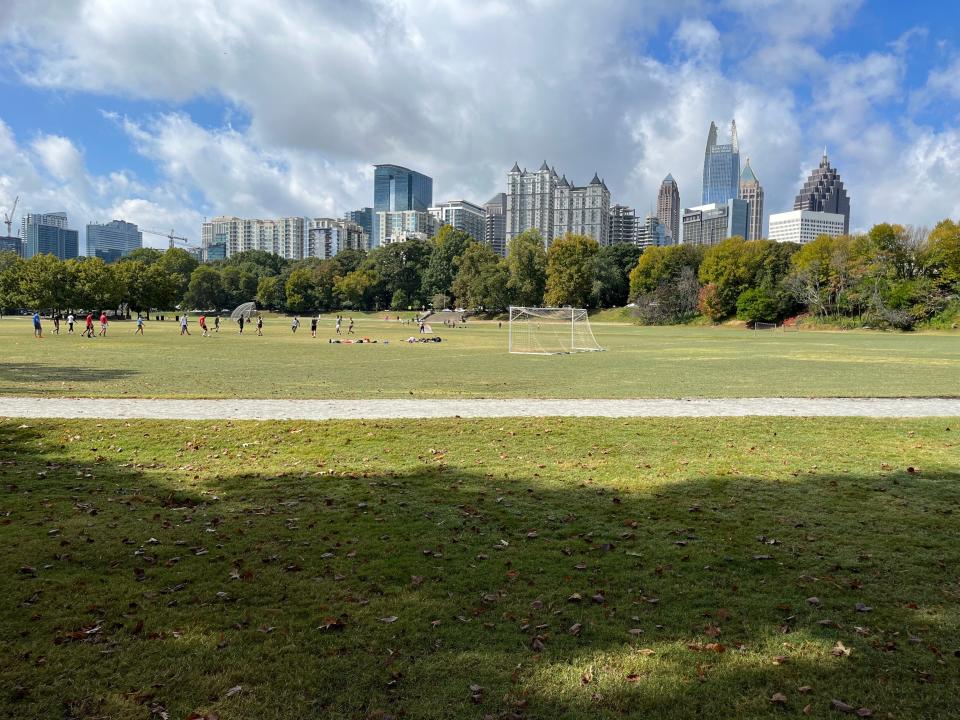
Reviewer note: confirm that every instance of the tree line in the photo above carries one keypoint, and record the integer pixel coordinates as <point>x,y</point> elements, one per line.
<point>891,276</point>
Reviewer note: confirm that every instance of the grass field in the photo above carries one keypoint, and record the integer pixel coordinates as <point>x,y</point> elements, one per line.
<point>473,362</point>
<point>470,569</point>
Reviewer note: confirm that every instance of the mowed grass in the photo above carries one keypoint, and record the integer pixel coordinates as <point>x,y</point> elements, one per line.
<point>471,569</point>
<point>473,362</point>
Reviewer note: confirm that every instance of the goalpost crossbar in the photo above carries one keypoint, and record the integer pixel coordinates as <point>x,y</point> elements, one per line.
<point>550,331</point>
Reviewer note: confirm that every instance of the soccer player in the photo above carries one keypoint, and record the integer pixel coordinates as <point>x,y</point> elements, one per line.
<point>203,325</point>
<point>139,330</point>
<point>103,323</point>
<point>350,327</point>
<point>294,324</point>
<point>70,320</point>
<point>184,330</point>
<point>37,330</point>
<point>56,323</point>
<point>259,324</point>
<point>89,331</point>
<point>313,327</point>
<point>216,323</point>
<point>240,321</point>
<point>338,324</point>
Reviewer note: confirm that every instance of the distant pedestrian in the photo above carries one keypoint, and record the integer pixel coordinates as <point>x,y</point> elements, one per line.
<point>350,327</point>
<point>423,327</point>
<point>37,329</point>
<point>56,323</point>
<point>216,323</point>
<point>89,330</point>
<point>103,324</point>
<point>259,324</point>
<point>240,321</point>
<point>313,326</point>
<point>294,324</point>
<point>139,330</point>
<point>70,320</point>
<point>203,325</point>
<point>184,330</point>
<point>338,324</point>
<point>499,324</point>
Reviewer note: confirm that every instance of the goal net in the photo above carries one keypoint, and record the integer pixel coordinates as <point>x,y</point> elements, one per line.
<point>764,326</point>
<point>550,331</point>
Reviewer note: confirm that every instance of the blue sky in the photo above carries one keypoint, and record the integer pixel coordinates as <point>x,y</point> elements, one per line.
<point>166,112</point>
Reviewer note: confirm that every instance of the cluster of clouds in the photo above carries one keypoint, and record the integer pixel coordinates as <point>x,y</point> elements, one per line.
<point>314,93</point>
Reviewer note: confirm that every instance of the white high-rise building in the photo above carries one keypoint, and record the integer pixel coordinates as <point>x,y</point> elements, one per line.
<point>462,215</point>
<point>546,202</point>
<point>802,226</point>
<point>285,237</point>
<point>407,224</point>
<point>328,236</point>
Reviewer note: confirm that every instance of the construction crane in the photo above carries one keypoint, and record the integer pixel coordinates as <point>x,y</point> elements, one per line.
<point>170,236</point>
<point>8,217</point>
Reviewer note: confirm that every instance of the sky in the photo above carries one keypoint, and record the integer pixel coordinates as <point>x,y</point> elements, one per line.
<point>166,112</point>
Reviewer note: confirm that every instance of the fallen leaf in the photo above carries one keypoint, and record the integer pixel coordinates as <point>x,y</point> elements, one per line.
<point>779,699</point>
<point>389,619</point>
<point>575,629</point>
<point>840,650</point>
<point>864,712</point>
<point>235,690</point>
<point>804,689</point>
<point>860,607</point>
<point>841,706</point>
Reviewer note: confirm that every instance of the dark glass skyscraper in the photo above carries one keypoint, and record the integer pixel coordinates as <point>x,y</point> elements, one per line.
<point>397,188</point>
<point>721,167</point>
<point>824,192</point>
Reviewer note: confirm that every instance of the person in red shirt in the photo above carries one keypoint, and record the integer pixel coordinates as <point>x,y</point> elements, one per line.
<point>89,332</point>
<point>103,324</point>
<point>203,325</point>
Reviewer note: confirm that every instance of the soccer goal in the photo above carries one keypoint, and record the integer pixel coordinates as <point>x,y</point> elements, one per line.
<point>764,326</point>
<point>550,331</point>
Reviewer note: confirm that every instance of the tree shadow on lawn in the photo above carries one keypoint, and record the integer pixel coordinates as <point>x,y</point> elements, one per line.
<point>131,591</point>
<point>33,376</point>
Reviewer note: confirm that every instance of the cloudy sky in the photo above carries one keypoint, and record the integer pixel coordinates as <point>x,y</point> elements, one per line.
<point>163,112</point>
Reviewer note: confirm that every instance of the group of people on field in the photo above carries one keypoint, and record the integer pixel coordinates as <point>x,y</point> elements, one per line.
<point>71,321</point>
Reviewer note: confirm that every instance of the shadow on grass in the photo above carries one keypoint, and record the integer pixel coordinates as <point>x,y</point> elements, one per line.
<point>33,376</point>
<point>133,589</point>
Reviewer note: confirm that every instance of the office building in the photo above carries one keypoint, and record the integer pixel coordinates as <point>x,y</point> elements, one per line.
<point>653,233</point>
<point>721,167</point>
<point>495,232</point>
<point>623,225</point>
<point>752,191</point>
<point>285,237</point>
<point>11,244</point>
<point>48,233</point>
<point>398,189</point>
<point>802,226</point>
<point>550,204</point>
<point>709,224</point>
<point>404,225</point>
<point>462,215</point>
<point>111,241</point>
<point>824,192</point>
<point>362,217</point>
<point>668,207</point>
<point>328,236</point>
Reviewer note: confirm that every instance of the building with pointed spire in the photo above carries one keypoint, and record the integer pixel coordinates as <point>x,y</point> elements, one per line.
<point>824,192</point>
<point>552,205</point>
<point>721,167</point>
<point>668,207</point>
<point>752,191</point>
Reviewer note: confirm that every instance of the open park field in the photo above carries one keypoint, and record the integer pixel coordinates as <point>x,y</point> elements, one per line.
<point>529,568</point>
<point>473,362</point>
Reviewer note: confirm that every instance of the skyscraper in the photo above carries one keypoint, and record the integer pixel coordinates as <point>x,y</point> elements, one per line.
<point>582,210</point>
<point>397,189</point>
<point>721,167</point>
<point>111,241</point>
<point>752,191</point>
<point>285,237</point>
<point>462,215</point>
<point>362,217</point>
<point>623,225</point>
<point>824,192</point>
<point>495,232</point>
<point>709,224</point>
<point>48,234</point>
<point>668,207</point>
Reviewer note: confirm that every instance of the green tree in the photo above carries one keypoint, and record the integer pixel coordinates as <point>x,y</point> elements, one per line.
<point>527,267</point>
<point>145,255</point>
<point>612,266</point>
<point>355,289</point>
<point>757,305</point>
<point>446,248</point>
<point>205,291</point>
<point>735,265</point>
<point>398,267</point>
<point>11,268</point>
<point>469,286</point>
<point>181,264</point>
<point>270,292</point>
<point>138,292</point>
<point>941,254</point>
<point>492,292</point>
<point>300,290</point>
<point>43,283</point>
<point>570,270</point>
<point>659,266</point>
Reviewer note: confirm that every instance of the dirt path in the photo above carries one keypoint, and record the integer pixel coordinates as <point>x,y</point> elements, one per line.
<point>120,409</point>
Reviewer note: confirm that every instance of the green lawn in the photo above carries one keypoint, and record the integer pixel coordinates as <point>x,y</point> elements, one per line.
<point>473,362</point>
<point>469,569</point>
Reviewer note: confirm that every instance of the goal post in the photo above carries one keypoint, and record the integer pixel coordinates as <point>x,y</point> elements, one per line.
<point>550,331</point>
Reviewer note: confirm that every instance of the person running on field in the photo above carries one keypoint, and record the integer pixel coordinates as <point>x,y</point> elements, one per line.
<point>37,329</point>
<point>56,323</point>
<point>203,325</point>
<point>70,320</point>
<point>103,324</point>
<point>184,330</point>
<point>216,323</point>
<point>240,321</point>
<point>350,327</point>
<point>294,324</point>
<point>89,331</point>
<point>259,324</point>
<point>338,324</point>
<point>313,327</point>
<point>139,330</point>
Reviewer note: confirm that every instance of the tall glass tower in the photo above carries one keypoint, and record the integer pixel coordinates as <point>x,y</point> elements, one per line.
<point>721,167</point>
<point>397,188</point>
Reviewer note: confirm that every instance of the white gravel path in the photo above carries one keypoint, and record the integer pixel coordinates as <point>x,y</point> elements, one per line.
<point>122,409</point>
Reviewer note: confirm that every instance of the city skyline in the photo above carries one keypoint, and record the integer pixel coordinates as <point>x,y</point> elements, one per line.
<point>89,128</point>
